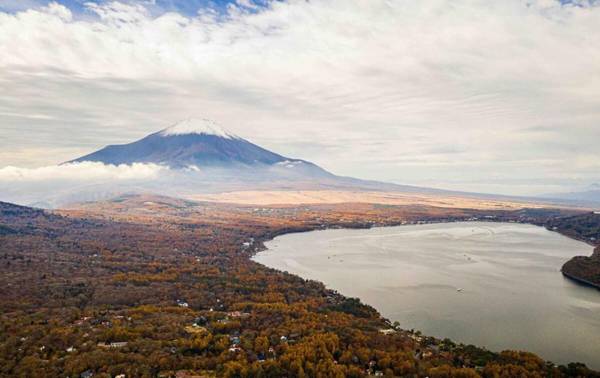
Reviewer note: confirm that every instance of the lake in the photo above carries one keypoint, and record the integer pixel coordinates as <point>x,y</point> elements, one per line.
<point>496,285</point>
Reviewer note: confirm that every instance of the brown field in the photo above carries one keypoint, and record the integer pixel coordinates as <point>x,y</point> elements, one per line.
<point>297,197</point>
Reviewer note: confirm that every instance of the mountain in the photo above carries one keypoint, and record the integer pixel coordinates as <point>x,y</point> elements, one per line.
<point>202,158</point>
<point>218,156</point>
<point>197,143</point>
<point>219,160</point>
<point>589,195</point>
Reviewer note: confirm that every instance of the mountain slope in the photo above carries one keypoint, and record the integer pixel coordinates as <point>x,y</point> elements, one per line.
<point>224,161</point>
<point>188,143</point>
<point>590,195</point>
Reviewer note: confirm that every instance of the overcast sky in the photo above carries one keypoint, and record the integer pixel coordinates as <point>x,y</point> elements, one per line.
<point>488,96</point>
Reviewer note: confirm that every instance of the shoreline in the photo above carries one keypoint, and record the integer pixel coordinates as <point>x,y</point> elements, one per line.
<point>578,281</point>
<point>368,226</point>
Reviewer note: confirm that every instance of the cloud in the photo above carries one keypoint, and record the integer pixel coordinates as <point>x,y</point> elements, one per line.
<point>57,185</point>
<point>247,4</point>
<point>414,92</point>
<point>81,172</point>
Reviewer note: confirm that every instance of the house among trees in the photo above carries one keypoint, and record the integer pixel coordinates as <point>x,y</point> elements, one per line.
<point>200,321</point>
<point>116,344</point>
<point>238,314</point>
<point>86,374</point>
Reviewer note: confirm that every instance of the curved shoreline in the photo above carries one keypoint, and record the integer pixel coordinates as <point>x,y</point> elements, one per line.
<point>581,268</point>
<point>580,280</point>
<point>368,226</point>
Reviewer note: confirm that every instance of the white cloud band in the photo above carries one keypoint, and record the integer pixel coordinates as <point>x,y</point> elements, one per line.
<point>83,172</point>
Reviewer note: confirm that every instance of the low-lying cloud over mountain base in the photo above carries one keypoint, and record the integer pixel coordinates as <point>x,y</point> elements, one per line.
<point>81,172</point>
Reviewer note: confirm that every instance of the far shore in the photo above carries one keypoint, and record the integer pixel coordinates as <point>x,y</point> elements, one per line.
<point>412,223</point>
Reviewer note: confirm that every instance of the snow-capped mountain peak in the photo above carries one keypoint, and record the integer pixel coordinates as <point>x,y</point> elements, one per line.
<point>200,126</point>
<point>191,142</point>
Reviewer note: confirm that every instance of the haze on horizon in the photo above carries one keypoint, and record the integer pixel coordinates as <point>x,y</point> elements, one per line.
<point>497,97</point>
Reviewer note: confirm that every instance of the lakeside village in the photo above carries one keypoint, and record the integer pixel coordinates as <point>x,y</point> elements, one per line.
<point>229,324</point>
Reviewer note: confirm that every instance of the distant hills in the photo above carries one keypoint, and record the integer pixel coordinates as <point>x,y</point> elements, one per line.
<point>591,194</point>
<point>200,157</point>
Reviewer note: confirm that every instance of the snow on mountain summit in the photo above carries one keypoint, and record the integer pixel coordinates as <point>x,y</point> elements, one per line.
<point>191,142</point>
<point>197,126</point>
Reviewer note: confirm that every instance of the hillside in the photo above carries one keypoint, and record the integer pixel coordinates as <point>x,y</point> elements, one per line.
<point>589,195</point>
<point>584,227</point>
<point>199,144</point>
<point>155,286</point>
<point>584,269</point>
<point>191,142</point>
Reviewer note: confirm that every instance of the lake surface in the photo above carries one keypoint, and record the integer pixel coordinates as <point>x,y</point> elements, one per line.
<point>496,285</point>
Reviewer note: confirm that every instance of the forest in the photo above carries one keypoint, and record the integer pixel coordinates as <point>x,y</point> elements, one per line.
<point>584,227</point>
<point>146,286</point>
